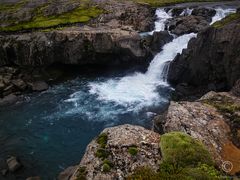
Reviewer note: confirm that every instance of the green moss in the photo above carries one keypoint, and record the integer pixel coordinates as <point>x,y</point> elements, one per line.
<point>143,173</point>
<point>202,172</point>
<point>183,158</point>
<point>226,106</point>
<point>181,150</point>
<point>102,153</point>
<point>226,20</point>
<point>107,165</point>
<point>106,168</point>
<point>81,174</point>
<point>106,161</point>
<point>102,140</point>
<point>78,15</point>
<point>133,151</point>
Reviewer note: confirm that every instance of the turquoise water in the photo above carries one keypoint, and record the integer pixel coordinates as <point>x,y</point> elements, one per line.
<point>50,131</point>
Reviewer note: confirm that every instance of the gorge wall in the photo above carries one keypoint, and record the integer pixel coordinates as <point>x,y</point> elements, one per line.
<point>211,60</point>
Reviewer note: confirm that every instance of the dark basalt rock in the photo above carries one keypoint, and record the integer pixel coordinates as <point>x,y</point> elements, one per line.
<point>204,12</point>
<point>157,41</point>
<point>236,88</point>
<point>211,58</point>
<point>95,46</point>
<point>186,24</point>
<point>177,11</point>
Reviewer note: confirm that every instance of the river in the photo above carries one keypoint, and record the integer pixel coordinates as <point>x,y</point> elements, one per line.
<point>49,131</point>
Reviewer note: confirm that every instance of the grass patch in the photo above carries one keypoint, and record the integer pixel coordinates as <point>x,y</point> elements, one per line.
<point>133,151</point>
<point>181,150</point>
<point>79,15</point>
<point>226,20</point>
<point>183,158</point>
<point>206,173</point>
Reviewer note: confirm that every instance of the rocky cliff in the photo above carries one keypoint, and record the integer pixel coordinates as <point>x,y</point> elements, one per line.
<point>132,152</point>
<point>214,120</point>
<point>211,60</point>
<point>73,46</point>
<point>116,152</point>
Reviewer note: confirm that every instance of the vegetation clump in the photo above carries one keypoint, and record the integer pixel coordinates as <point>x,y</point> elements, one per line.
<point>107,165</point>
<point>102,153</point>
<point>133,150</point>
<point>181,150</point>
<point>226,106</point>
<point>230,18</point>
<point>81,14</point>
<point>81,173</point>
<point>102,140</point>
<point>183,158</point>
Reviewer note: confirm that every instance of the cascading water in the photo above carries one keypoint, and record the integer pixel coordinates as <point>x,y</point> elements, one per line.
<point>49,131</point>
<point>140,89</point>
<point>221,13</point>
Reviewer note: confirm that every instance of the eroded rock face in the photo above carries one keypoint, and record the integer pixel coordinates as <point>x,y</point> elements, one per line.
<point>84,46</point>
<point>187,24</point>
<point>128,147</point>
<point>207,13</point>
<point>212,120</point>
<point>158,40</point>
<point>211,58</point>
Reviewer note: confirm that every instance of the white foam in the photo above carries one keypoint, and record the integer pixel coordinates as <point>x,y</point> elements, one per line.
<point>222,13</point>
<point>162,17</point>
<point>140,90</point>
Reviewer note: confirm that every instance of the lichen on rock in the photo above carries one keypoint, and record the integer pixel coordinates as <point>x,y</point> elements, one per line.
<point>119,162</point>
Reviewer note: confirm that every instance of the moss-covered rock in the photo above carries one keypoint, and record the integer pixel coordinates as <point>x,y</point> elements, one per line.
<point>183,158</point>
<point>181,150</point>
<point>227,20</point>
<point>133,151</point>
<point>102,140</point>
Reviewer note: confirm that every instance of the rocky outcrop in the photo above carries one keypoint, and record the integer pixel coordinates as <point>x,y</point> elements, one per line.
<point>15,81</point>
<point>84,46</point>
<point>118,151</point>
<point>207,13</point>
<point>156,41</point>
<point>187,24</point>
<point>211,60</point>
<point>214,120</point>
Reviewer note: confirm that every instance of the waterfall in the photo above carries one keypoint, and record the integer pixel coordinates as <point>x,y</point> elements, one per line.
<point>140,90</point>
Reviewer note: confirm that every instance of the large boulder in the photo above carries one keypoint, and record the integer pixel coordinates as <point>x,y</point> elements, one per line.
<point>13,164</point>
<point>159,39</point>
<point>186,24</point>
<point>211,58</point>
<point>118,151</point>
<point>207,13</point>
<point>156,41</point>
<point>213,120</point>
